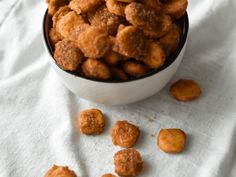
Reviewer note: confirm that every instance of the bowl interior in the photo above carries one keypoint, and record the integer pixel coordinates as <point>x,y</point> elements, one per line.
<point>183,22</point>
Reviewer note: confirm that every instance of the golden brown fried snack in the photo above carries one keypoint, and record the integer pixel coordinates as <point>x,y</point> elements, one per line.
<point>155,57</point>
<point>84,6</point>
<point>94,42</point>
<point>91,121</point>
<point>68,55</point>
<point>171,40</point>
<point>126,1</point>
<point>124,134</point>
<point>130,42</point>
<point>171,140</point>
<point>54,38</point>
<point>108,175</point>
<point>128,163</point>
<point>175,8</point>
<point>154,25</point>
<point>118,74</point>
<point>116,7</point>
<point>95,69</point>
<point>185,90</point>
<point>68,23</point>
<point>54,5</point>
<point>134,68</point>
<point>60,171</point>
<point>74,35</point>
<point>112,58</point>
<point>59,14</point>
<point>155,4</point>
<point>104,19</point>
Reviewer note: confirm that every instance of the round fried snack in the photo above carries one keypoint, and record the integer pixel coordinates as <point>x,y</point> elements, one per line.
<point>112,58</point>
<point>67,24</point>
<point>118,74</point>
<point>128,163</point>
<point>83,6</point>
<point>54,38</point>
<point>54,5</point>
<point>68,55</point>
<point>59,14</point>
<point>130,42</point>
<point>108,175</point>
<point>124,134</point>
<point>116,7</point>
<point>91,121</point>
<point>154,25</point>
<point>171,40</point>
<point>95,69</point>
<point>185,90</point>
<point>104,19</point>
<point>155,4</point>
<point>175,8</point>
<point>60,171</point>
<point>134,68</point>
<point>94,42</point>
<point>155,57</point>
<point>74,35</point>
<point>171,140</point>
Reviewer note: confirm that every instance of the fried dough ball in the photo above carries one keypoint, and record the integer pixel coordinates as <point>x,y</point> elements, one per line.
<point>91,121</point>
<point>60,171</point>
<point>112,58</point>
<point>67,24</point>
<point>124,134</point>
<point>68,55</point>
<point>134,68</point>
<point>153,25</point>
<point>155,4</point>
<point>128,162</point>
<point>171,140</point>
<point>104,19</point>
<point>83,6</point>
<point>118,74</point>
<point>175,8</point>
<point>108,175</point>
<point>130,42</point>
<point>94,42</point>
<point>126,1</point>
<point>116,7</point>
<point>156,56</point>
<point>74,35</point>
<point>54,38</point>
<point>95,69</point>
<point>185,90</point>
<point>59,14</point>
<point>54,5</point>
<point>171,40</point>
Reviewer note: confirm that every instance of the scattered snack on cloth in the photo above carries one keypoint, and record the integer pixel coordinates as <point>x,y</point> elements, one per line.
<point>68,55</point>
<point>91,121</point>
<point>108,175</point>
<point>171,140</point>
<point>128,162</point>
<point>128,38</point>
<point>124,134</point>
<point>60,171</point>
<point>185,90</point>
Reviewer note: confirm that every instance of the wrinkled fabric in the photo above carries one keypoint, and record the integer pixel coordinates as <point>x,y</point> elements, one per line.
<point>37,113</point>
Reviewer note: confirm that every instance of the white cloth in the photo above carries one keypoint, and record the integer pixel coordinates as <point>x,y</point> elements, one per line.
<point>37,112</point>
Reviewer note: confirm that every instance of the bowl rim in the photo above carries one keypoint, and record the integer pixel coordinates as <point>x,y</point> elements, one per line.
<point>170,60</point>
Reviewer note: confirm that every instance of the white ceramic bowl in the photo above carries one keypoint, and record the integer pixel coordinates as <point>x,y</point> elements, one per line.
<point>123,92</point>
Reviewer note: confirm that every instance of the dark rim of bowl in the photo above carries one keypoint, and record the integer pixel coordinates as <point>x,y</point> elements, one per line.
<point>184,22</point>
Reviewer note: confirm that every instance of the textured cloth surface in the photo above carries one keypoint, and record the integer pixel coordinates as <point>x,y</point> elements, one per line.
<point>37,112</point>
